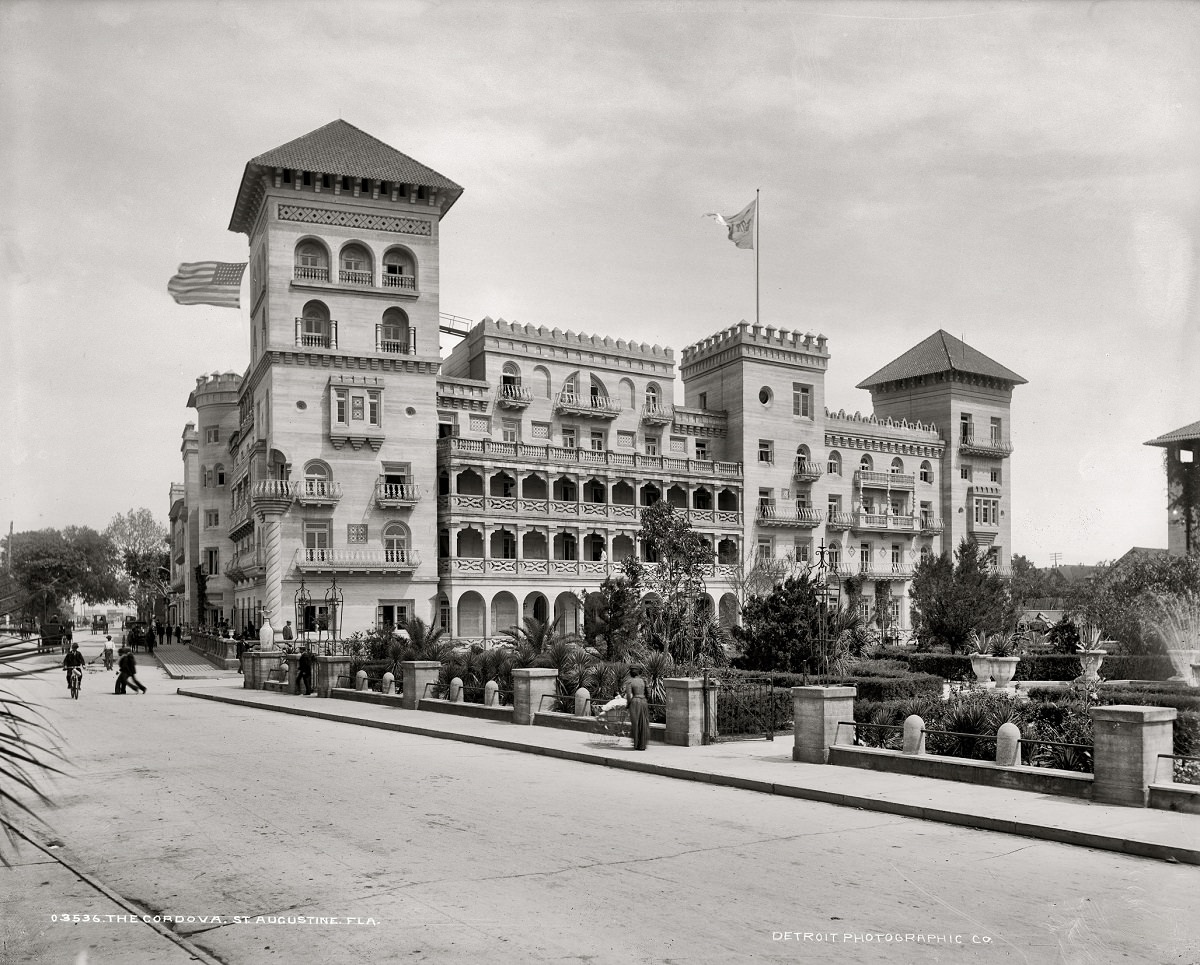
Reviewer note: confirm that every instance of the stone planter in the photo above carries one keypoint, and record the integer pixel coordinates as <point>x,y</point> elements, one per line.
<point>1091,660</point>
<point>257,666</point>
<point>981,666</point>
<point>1002,670</point>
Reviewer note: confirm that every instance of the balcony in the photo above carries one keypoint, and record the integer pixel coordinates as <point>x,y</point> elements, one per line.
<point>588,569</point>
<point>837,521</point>
<point>271,495</point>
<point>886,571</point>
<point>317,492</point>
<point>316,560</point>
<point>307,273</point>
<point>241,522</point>
<point>396,495</point>
<point>404,282</point>
<point>511,396</point>
<point>387,344</point>
<point>655,413</point>
<point>593,406</point>
<point>570,509</point>
<point>799,517</point>
<point>994,445</point>
<point>320,333</point>
<point>347,277</point>
<point>930,524</point>
<point>867,478</point>
<point>473,451</point>
<point>885,521</point>
<point>807,472</point>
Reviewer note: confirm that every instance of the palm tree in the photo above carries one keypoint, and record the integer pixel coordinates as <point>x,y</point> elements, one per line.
<point>534,637</point>
<point>26,744</point>
<point>424,641</point>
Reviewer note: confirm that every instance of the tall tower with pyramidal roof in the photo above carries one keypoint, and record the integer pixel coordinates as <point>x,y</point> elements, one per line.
<point>968,396</point>
<point>331,467</point>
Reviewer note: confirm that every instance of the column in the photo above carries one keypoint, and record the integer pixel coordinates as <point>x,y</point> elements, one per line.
<point>270,508</point>
<point>1127,741</point>
<point>817,711</point>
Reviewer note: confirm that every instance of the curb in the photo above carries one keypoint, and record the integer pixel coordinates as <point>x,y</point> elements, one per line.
<point>1083,839</point>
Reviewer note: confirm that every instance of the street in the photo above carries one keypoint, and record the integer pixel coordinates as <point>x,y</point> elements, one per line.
<point>412,849</point>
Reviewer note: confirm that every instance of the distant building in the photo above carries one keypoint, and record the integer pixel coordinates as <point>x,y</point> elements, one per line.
<point>1182,449</point>
<point>507,480</point>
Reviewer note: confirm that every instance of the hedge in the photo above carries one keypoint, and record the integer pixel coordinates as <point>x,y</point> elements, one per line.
<point>1120,695</point>
<point>1046,666</point>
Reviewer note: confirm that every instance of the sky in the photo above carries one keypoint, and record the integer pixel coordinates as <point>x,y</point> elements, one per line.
<point>1024,174</point>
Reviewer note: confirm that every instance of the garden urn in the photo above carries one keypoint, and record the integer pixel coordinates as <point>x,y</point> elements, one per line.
<point>1003,669</point>
<point>981,666</point>
<point>1090,660</point>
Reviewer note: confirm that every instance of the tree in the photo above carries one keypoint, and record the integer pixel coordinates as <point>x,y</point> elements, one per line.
<point>141,543</point>
<point>533,637</point>
<point>781,630</point>
<point>676,557</point>
<point>1123,597</point>
<point>1029,582</point>
<point>610,617</point>
<point>53,566</point>
<point>950,599</point>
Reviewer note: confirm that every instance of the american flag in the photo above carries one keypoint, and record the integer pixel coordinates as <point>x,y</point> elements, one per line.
<point>208,283</point>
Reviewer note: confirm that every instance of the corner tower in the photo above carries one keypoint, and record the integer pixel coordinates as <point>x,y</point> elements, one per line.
<point>969,397</point>
<point>338,407</point>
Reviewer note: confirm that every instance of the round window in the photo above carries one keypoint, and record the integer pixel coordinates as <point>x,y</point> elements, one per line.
<point>764,395</point>
<point>301,405</point>
<point>410,411</point>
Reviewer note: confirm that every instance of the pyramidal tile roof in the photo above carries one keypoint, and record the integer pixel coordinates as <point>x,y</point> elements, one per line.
<point>941,352</point>
<point>338,149</point>
<point>1186,434</point>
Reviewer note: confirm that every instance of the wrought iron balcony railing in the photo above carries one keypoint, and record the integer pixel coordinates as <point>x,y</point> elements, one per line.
<point>657,413</point>
<point>973,444</point>
<point>799,516</point>
<point>513,396</point>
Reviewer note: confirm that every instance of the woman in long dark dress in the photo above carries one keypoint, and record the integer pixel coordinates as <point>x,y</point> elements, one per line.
<point>639,710</point>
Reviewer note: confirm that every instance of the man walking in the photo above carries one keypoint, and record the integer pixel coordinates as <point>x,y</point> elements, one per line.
<point>128,674</point>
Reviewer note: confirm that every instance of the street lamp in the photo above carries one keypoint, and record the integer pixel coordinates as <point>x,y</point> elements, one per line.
<point>300,604</point>
<point>825,568</point>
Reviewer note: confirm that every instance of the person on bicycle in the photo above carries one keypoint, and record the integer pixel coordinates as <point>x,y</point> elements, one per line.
<point>73,663</point>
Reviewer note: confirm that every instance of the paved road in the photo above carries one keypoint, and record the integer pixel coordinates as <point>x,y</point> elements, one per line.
<point>419,850</point>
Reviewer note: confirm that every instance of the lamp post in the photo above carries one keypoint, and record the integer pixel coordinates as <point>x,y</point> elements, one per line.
<point>301,601</point>
<point>333,613</point>
<point>824,567</point>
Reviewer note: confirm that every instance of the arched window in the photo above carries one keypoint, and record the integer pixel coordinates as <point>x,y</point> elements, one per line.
<point>510,374</point>
<point>926,472</point>
<point>395,543</point>
<point>394,333</point>
<point>626,393</point>
<point>897,466</point>
<point>312,262</point>
<point>219,475</point>
<point>316,479</point>
<point>314,326</point>
<point>571,385</point>
<point>835,553</point>
<point>926,554</point>
<point>399,270</point>
<point>205,475</point>
<point>653,396</point>
<point>355,266</point>
<point>865,463</point>
<point>835,463</point>
<point>541,382</point>
<point>596,390</point>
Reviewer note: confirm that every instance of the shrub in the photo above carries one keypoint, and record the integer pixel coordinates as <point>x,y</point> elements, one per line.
<point>1048,666</point>
<point>880,668</point>
<point>949,666</point>
<point>1122,666</point>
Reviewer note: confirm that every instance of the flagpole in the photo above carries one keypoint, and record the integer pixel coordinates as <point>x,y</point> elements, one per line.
<point>757,215</point>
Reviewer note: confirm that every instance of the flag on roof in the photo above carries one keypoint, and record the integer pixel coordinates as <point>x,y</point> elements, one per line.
<point>208,283</point>
<point>740,225</point>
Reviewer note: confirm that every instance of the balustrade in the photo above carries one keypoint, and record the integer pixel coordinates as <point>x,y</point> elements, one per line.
<point>563,457</point>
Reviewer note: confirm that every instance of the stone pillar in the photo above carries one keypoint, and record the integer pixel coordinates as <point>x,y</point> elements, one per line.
<point>685,710</point>
<point>257,666</point>
<point>914,734</point>
<point>817,712</point>
<point>1008,745</point>
<point>530,684</point>
<point>326,671</point>
<point>1126,743</point>
<point>415,674</point>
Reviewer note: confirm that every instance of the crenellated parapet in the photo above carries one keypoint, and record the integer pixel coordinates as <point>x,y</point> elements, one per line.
<point>220,388</point>
<point>746,340</point>
<point>858,431</point>
<point>554,344</point>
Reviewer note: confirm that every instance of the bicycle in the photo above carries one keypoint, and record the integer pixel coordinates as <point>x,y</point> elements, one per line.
<point>74,681</point>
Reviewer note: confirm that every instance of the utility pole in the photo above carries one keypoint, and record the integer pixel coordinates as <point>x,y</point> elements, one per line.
<point>1055,559</point>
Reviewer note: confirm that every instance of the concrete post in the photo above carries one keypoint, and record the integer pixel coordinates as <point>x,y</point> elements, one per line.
<point>1126,742</point>
<point>1008,745</point>
<point>326,671</point>
<point>416,674</point>
<point>389,683</point>
<point>530,684</point>
<point>817,712</point>
<point>456,690</point>
<point>582,696</point>
<point>491,694</point>
<point>914,734</point>
<point>685,710</point>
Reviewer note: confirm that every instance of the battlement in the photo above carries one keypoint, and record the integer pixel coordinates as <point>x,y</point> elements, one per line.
<point>217,388</point>
<point>842,421</point>
<point>569,339</point>
<point>745,333</point>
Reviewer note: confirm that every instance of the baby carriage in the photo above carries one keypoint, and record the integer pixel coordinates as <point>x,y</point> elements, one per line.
<point>612,721</point>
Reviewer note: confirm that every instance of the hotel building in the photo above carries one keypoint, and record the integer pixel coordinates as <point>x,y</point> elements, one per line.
<point>506,480</point>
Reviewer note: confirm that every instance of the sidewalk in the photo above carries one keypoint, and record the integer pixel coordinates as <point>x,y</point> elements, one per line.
<point>180,663</point>
<point>767,767</point>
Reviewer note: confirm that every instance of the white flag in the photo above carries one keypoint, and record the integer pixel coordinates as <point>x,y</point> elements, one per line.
<point>740,225</point>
